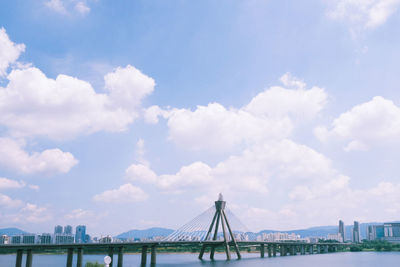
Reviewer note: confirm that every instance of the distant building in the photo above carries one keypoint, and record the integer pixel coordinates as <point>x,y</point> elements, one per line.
<point>80,234</point>
<point>29,239</point>
<point>341,230</point>
<point>63,239</point>
<point>17,239</point>
<point>4,239</point>
<point>106,239</point>
<point>58,229</point>
<point>356,232</point>
<point>88,239</point>
<point>337,237</point>
<point>45,239</point>
<point>68,230</point>
<point>391,232</point>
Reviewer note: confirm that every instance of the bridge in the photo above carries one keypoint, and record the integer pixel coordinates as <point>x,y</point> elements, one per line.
<point>216,229</point>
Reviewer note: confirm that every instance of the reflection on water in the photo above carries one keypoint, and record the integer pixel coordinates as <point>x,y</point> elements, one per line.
<point>346,259</point>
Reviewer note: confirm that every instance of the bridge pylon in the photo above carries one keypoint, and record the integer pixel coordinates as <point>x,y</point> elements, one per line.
<point>228,237</point>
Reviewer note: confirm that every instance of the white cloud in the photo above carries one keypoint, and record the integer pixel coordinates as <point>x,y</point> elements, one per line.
<point>56,5</point>
<point>371,123</point>
<point>270,115</point>
<point>257,169</point>
<point>124,194</point>
<point>366,13</point>
<point>12,156</point>
<point>9,52</point>
<point>67,7</point>
<point>8,202</point>
<point>8,183</point>
<point>34,105</point>
<point>79,214</point>
<point>194,175</point>
<point>32,213</point>
<point>82,8</point>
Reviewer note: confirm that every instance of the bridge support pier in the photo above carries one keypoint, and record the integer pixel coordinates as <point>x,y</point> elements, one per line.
<point>18,262</point>
<point>274,250</point>
<point>28,258</point>
<point>283,250</point>
<point>80,257</point>
<point>120,257</point>
<point>292,250</point>
<point>111,255</point>
<point>318,249</point>
<point>269,251</point>
<point>303,249</point>
<point>144,256</point>
<point>153,256</point>
<point>262,250</point>
<point>70,256</point>
<point>311,251</point>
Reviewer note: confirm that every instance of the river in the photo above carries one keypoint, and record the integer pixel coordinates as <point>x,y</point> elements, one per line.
<point>344,259</point>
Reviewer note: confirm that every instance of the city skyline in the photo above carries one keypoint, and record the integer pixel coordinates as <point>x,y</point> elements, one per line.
<point>123,116</point>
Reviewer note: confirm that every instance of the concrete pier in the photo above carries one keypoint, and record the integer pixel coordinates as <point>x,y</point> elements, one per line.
<point>70,255</point>
<point>120,257</point>
<point>18,262</point>
<point>29,258</point>
<point>262,250</point>
<point>283,250</point>
<point>144,256</point>
<point>79,257</point>
<point>302,249</point>
<point>274,250</point>
<point>292,250</point>
<point>269,251</point>
<point>111,255</point>
<point>153,259</point>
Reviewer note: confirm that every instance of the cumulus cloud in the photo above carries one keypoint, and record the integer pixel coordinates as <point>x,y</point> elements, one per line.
<point>6,201</point>
<point>270,115</point>
<point>67,7</point>
<point>32,104</point>
<point>367,124</point>
<point>257,169</point>
<point>32,213</point>
<point>367,13</point>
<point>12,156</point>
<point>126,193</point>
<point>9,52</point>
<point>8,183</point>
<point>35,105</point>
<point>79,214</point>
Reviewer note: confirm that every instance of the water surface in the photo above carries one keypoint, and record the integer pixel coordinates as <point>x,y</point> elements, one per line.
<point>345,259</point>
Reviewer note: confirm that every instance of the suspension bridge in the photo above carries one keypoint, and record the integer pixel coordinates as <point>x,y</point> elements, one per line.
<point>217,228</point>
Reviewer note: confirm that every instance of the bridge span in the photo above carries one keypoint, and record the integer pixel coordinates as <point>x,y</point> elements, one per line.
<point>216,229</point>
<point>116,250</point>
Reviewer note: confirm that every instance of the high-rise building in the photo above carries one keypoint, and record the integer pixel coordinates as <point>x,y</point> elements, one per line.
<point>80,234</point>
<point>356,232</point>
<point>58,229</point>
<point>68,230</point>
<point>341,229</point>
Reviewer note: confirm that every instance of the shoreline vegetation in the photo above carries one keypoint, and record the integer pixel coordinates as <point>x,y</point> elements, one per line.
<point>375,246</point>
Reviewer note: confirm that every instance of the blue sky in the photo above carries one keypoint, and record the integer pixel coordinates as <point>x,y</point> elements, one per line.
<point>133,114</point>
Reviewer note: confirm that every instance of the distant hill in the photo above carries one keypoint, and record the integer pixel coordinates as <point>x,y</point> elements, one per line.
<point>147,233</point>
<point>12,231</point>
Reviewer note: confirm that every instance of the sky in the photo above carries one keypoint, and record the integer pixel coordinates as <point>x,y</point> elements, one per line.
<point>127,115</point>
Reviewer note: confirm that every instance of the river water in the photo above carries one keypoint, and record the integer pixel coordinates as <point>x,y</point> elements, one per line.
<point>344,259</point>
